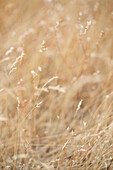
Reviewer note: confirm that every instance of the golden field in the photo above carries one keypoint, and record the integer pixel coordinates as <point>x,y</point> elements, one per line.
<point>56,84</point>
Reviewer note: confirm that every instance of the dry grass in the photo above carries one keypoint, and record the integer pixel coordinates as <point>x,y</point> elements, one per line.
<point>56,84</point>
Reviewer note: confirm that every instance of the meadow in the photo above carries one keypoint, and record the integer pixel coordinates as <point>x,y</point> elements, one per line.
<point>56,84</point>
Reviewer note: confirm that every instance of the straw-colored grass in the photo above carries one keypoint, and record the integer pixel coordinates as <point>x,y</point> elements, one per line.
<point>56,84</point>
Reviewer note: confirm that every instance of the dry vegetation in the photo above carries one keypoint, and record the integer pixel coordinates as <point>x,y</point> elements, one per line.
<point>56,84</point>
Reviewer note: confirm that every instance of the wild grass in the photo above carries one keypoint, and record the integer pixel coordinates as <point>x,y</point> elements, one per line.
<point>56,84</point>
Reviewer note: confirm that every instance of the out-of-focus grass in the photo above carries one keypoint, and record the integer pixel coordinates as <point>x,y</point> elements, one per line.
<point>56,84</point>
